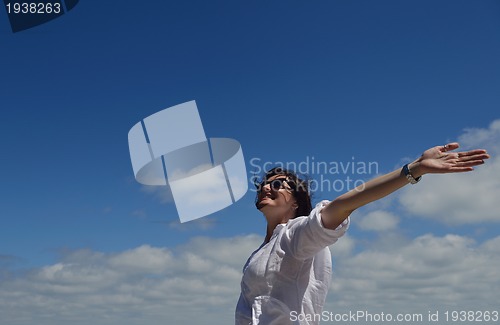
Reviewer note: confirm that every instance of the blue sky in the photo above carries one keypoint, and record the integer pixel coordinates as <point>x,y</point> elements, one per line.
<point>379,81</point>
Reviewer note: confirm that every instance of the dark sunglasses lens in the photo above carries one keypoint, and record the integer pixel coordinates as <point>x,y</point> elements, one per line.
<point>276,184</point>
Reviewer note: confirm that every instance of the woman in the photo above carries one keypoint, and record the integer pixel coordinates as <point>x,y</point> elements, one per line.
<point>286,280</point>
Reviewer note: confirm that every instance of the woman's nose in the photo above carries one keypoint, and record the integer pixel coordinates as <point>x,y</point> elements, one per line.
<point>268,188</point>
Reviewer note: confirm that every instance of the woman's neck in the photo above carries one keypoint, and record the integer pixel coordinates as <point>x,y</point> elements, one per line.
<point>271,226</point>
<point>269,232</point>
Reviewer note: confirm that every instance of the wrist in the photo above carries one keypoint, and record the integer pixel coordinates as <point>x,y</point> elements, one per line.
<point>416,168</point>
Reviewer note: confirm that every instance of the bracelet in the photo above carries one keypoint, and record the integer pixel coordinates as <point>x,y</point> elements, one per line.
<point>409,176</point>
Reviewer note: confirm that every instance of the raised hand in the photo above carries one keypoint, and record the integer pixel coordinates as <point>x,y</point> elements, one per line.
<point>440,159</point>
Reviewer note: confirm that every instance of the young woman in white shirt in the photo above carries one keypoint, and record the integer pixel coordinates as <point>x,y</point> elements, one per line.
<point>286,280</point>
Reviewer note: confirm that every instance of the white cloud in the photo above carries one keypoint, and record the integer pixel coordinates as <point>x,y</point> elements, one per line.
<point>466,198</point>
<point>483,138</point>
<point>343,247</point>
<point>427,273</point>
<point>198,282</point>
<point>180,173</point>
<point>143,259</point>
<point>162,193</point>
<point>378,221</point>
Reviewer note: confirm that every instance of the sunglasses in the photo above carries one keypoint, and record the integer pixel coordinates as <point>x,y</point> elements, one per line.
<point>277,184</point>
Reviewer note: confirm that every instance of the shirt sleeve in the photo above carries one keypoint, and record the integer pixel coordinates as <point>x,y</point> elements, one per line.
<point>306,236</point>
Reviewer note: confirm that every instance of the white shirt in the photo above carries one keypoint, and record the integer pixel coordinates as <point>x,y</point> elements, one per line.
<point>287,278</point>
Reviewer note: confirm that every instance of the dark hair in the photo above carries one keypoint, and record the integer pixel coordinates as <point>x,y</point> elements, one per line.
<point>300,189</point>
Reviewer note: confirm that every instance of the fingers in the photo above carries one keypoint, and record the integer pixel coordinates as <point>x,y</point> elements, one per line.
<point>477,154</point>
<point>454,145</point>
<point>460,169</point>
<point>450,146</point>
<point>469,163</point>
<point>463,166</point>
<point>465,161</point>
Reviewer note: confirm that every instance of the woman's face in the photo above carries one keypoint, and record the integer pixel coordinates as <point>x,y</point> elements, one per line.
<point>276,197</point>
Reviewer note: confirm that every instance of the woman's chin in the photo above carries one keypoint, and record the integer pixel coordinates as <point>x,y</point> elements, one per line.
<point>262,204</point>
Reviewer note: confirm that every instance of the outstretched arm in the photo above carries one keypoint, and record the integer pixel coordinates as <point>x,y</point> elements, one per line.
<point>436,160</point>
